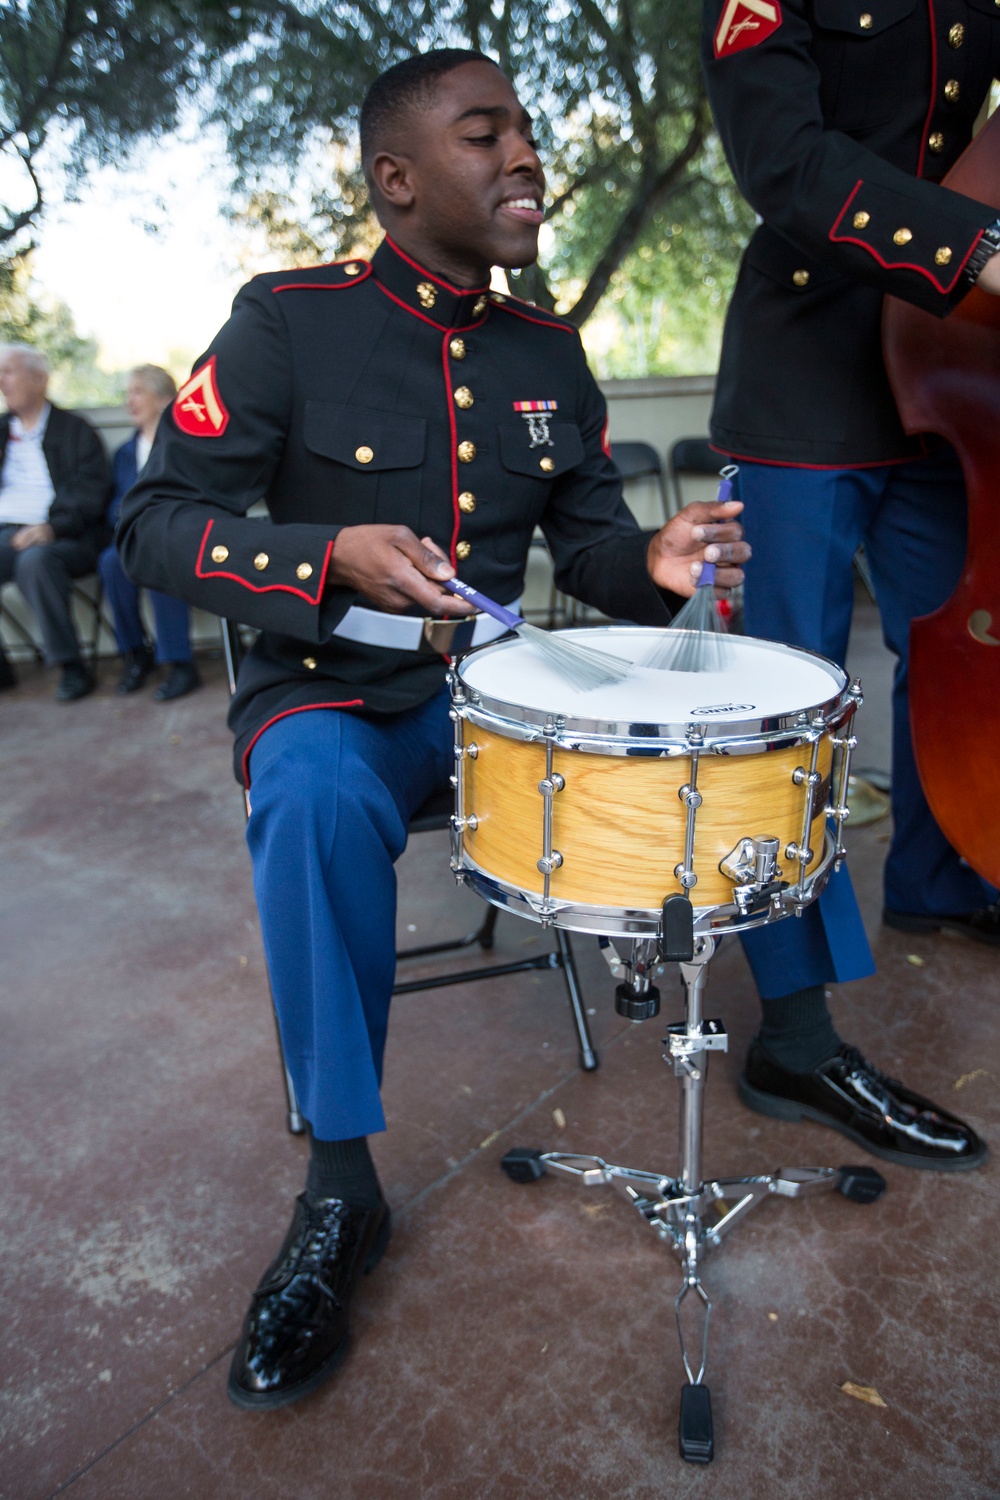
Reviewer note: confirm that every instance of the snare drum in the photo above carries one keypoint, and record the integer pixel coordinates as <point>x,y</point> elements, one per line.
<point>588,809</point>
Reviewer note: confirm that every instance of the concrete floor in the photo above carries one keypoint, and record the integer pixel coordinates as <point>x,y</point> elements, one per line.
<point>516,1342</point>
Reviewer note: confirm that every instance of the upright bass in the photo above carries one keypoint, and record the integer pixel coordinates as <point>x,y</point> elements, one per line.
<point>945,375</point>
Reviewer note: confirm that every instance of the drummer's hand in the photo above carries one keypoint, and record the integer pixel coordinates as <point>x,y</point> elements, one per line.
<point>989,277</point>
<point>677,551</point>
<point>392,568</point>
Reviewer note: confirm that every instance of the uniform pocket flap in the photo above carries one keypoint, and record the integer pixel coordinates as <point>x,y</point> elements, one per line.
<point>364,439</point>
<point>543,449</point>
<point>861,17</point>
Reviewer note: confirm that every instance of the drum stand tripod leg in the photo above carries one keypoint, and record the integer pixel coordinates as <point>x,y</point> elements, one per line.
<point>687,1213</point>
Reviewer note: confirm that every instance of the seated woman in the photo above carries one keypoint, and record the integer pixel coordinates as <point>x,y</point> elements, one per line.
<point>148,392</point>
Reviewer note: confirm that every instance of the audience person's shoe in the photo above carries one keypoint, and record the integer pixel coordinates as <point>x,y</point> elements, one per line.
<point>136,667</point>
<point>8,677</point>
<point>76,681</point>
<point>982,924</point>
<point>182,678</point>
<point>876,1112</point>
<point>296,1332</point>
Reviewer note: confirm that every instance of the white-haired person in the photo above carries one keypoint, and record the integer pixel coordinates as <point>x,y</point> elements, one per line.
<point>54,488</point>
<point>148,392</point>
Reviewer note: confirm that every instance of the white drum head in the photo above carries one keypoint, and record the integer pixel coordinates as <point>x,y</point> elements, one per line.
<point>761,680</point>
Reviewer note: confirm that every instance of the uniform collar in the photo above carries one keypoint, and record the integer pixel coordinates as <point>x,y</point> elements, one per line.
<point>425,295</point>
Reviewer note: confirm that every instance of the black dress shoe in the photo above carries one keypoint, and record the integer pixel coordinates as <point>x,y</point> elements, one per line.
<point>182,678</point>
<point>295,1333</point>
<point>876,1112</point>
<point>8,677</point>
<point>136,667</point>
<point>76,681</point>
<point>982,924</point>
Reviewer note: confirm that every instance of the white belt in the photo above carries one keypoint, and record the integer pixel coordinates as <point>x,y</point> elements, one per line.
<point>372,627</point>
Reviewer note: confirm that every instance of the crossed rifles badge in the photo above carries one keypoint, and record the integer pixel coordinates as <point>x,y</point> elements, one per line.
<point>746,23</point>
<point>198,408</point>
<point>536,414</point>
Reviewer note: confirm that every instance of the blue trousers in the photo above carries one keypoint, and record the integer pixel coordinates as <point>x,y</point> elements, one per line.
<point>805,526</point>
<point>173,641</point>
<point>331,796</point>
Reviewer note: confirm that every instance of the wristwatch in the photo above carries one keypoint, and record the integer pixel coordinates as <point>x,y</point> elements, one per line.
<point>987,246</point>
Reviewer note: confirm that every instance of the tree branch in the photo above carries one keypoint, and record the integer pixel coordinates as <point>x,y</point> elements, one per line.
<point>21,221</point>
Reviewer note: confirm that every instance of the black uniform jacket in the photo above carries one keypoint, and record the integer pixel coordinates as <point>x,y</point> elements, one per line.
<point>80,473</point>
<point>839,118</point>
<point>361,393</point>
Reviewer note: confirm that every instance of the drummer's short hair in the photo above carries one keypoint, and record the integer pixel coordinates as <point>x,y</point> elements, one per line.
<point>407,86</point>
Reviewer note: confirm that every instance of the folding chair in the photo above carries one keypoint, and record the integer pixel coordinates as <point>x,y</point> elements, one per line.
<point>435,816</point>
<point>93,604</point>
<point>691,455</point>
<point>641,461</point>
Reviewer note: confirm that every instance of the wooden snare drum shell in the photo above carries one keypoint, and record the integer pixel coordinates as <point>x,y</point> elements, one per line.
<point>619,823</point>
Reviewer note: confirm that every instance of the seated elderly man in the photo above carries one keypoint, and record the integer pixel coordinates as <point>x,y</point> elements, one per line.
<point>54,488</point>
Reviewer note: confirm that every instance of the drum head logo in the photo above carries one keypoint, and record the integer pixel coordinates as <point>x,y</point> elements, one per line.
<point>725,708</point>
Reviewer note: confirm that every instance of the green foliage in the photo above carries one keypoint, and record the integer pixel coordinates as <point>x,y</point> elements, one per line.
<point>77,379</point>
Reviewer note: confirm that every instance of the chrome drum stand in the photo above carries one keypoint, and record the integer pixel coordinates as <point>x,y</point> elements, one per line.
<point>689,1214</point>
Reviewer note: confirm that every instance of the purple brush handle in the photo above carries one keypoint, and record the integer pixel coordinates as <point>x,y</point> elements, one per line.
<point>489,606</point>
<point>707,575</point>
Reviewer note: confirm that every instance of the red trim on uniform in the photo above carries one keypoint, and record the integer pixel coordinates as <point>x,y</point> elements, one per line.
<point>456,291</point>
<point>454,447</point>
<point>302,709</point>
<point>542,323</point>
<point>326,286</point>
<point>934,84</point>
<point>791,463</point>
<point>441,328</point>
<point>606,438</point>
<point>897,265</point>
<point>264,588</point>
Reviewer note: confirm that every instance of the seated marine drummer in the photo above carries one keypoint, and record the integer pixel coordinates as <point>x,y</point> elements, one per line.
<point>375,408</point>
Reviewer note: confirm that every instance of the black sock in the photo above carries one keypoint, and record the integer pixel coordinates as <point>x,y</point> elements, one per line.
<point>797,1031</point>
<point>343,1169</point>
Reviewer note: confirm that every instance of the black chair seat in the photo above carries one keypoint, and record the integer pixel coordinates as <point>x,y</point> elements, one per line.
<point>435,813</point>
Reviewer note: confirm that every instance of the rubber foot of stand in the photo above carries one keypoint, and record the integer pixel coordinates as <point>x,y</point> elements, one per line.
<point>861,1184</point>
<point>522,1164</point>
<point>695,1429</point>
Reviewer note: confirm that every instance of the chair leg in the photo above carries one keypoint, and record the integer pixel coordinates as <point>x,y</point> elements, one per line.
<point>483,935</point>
<point>589,1059</point>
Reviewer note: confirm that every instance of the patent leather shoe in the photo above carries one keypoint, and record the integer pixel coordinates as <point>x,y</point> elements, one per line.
<point>983,923</point>
<point>8,677</point>
<point>296,1333</point>
<point>850,1095</point>
<point>136,667</point>
<point>182,678</point>
<point>76,681</point>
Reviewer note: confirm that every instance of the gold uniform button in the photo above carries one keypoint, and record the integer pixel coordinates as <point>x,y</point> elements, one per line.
<point>953,88</point>
<point>261,561</point>
<point>304,571</point>
<point>498,297</point>
<point>462,550</point>
<point>310,662</point>
<point>942,256</point>
<point>936,143</point>
<point>219,554</point>
<point>862,220</point>
<point>364,455</point>
<point>457,348</point>
<point>800,278</point>
<point>466,452</point>
<point>426,294</point>
<point>902,237</point>
<point>865,21</point>
<point>467,502</point>
<point>352,269</point>
<point>463,397</point>
<point>479,307</point>
<point>956,35</point>
<point>548,464</point>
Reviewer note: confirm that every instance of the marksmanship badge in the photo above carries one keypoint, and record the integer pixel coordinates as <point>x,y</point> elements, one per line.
<point>536,414</point>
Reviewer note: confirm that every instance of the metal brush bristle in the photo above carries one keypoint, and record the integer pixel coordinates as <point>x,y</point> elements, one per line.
<point>696,640</point>
<point>581,666</point>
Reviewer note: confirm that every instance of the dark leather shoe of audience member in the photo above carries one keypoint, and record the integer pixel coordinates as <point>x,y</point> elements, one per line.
<point>136,667</point>
<point>182,678</point>
<point>295,1333</point>
<point>850,1095</point>
<point>76,681</point>
<point>983,923</point>
<point>8,677</point>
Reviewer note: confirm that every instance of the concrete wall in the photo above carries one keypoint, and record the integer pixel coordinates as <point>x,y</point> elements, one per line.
<point>657,410</point>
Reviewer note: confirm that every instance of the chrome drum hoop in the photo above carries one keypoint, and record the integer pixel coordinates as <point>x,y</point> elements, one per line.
<point>617,921</point>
